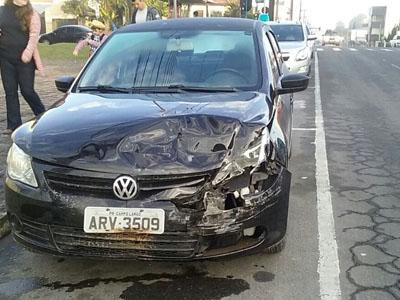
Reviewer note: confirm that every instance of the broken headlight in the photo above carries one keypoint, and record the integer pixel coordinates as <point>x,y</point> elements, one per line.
<point>256,153</point>
<point>19,166</point>
<point>259,148</point>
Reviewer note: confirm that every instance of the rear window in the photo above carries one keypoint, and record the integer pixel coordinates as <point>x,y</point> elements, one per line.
<point>288,33</point>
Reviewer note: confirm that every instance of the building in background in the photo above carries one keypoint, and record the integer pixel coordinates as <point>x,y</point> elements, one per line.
<point>283,10</point>
<point>212,8</point>
<point>55,17</point>
<point>376,25</point>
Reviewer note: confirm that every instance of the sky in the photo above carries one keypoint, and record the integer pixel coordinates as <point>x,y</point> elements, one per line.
<point>326,13</point>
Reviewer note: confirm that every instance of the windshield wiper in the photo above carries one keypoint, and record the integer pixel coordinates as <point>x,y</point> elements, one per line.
<point>202,88</point>
<point>178,88</point>
<point>174,88</point>
<point>104,89</point>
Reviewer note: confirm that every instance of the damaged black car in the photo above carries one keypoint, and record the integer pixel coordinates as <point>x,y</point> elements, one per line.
<point>171,144</point>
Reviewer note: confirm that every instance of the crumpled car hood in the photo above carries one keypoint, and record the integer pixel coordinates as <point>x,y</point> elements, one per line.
<point>147,134</point>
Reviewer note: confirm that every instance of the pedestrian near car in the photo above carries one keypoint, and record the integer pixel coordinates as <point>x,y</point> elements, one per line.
<point>19,58</point>
<point>143,13</point>
<point>94,39</point>
<point>264,15</point>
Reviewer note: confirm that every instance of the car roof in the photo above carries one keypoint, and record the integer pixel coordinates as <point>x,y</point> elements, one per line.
<point>284,23</point>
<point>195,24</point>
<point>75,26</point>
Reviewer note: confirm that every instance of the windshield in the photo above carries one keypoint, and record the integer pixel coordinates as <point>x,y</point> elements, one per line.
<point>205,59</point>
<point>288,33</point>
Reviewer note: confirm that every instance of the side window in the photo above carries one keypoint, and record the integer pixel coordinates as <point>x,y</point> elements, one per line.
<point>275,46</point>
<point>271,55</point>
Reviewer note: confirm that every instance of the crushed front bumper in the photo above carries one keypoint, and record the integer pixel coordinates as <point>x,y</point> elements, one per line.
<point>45,222</point>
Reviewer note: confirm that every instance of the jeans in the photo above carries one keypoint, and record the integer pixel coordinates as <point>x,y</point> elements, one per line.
<point>14,74</point>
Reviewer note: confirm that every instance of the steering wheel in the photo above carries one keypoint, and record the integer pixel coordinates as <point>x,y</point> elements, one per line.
<point>228,70</point>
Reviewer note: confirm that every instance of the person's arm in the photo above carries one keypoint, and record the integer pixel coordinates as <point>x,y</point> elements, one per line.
<point>34,31</point>
<point>155,14</point>
<point>38,61</point>
<point>81,44</point>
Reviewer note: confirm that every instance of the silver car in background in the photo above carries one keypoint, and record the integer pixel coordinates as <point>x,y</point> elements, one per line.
<point>296,45</point>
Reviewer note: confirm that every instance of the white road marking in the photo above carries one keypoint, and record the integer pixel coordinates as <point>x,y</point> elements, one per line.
<point>387,50</point>
<point>369,49</point>
<point>328,263</point>
<point>300,104</point>
<point>336,49</point>
<point>394,66</point>
<point>353,49</point>
<point>320,49</point>
<point>303,129</point>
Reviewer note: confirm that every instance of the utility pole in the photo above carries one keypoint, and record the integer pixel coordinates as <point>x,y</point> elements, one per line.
<point>276,12</point>
<point>271,10</point>
<point>291,10</point>
<point>175,9</point>
<point>301,8</point>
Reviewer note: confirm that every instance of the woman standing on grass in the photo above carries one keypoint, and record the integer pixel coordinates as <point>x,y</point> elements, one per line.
<point>19,57</point>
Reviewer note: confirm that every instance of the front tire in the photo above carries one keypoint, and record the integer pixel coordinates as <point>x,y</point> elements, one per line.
<point>277,247</point>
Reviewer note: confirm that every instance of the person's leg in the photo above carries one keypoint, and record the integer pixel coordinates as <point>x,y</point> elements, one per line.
<point>10,84</point>
<point>26,81</point>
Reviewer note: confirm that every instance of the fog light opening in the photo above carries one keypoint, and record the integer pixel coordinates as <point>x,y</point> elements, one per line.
<point>233,200</point>
<point>255,232</point>
<point>16,223</point>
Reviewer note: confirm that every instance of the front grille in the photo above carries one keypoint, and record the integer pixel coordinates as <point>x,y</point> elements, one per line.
<point>103,187</point>
<point>168,245</point>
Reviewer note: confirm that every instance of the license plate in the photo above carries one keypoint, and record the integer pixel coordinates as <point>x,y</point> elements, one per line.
<point>117,220</point>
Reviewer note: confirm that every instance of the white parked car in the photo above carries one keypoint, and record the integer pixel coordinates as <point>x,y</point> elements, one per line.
<point>296,44</point>
<point>396,41</point>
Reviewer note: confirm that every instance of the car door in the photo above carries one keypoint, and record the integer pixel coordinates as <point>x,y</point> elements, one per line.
<point>59,35</point>
<point>69,35</point>
<point>283,103</point>
<point>79,34</point>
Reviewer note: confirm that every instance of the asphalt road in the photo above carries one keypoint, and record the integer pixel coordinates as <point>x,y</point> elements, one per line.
<point>360,95</point>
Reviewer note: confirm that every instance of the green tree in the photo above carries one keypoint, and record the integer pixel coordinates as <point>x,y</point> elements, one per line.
<point>161,5</point>
<point>78,8</point>
<point>114,11</point>
<point>358,22</point>
<point>393,32</point>
<point>233,9</point>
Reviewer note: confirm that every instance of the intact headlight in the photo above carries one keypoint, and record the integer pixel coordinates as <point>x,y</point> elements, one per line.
<point>302,54</point>
<point>19,166</point>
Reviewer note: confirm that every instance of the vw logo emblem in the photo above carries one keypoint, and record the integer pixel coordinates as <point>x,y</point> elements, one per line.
<point>125,187</point>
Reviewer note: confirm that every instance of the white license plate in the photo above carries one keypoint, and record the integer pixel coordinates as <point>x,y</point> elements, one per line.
<point>117,220</point>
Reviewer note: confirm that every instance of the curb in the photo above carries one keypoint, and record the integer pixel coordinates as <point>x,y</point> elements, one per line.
<point>4,226</point>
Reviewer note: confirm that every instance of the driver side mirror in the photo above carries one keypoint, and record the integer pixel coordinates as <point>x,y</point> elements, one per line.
<point>293,83</point>
<point>312,37</point>
<point>64,83</point>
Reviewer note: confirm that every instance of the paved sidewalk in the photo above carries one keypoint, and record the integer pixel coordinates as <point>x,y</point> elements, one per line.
<point>46,89</point>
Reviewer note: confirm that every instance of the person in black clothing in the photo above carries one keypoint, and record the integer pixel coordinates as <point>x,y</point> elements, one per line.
<point>143,13</point>
<point>17,58</point>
